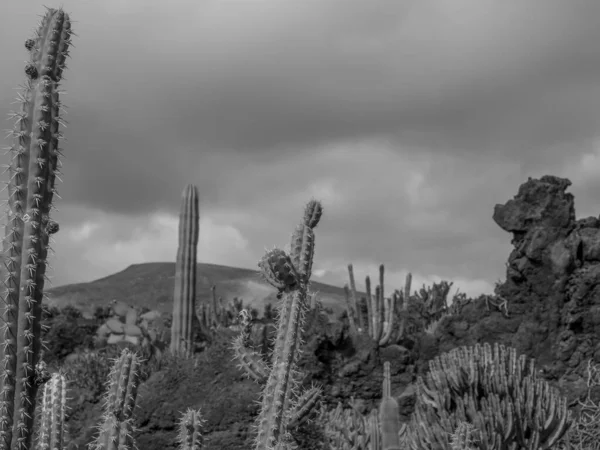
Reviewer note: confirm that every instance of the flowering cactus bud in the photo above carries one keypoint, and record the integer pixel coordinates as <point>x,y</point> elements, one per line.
<point>277,268</point>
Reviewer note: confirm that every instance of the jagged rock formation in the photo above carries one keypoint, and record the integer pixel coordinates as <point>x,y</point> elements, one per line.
<point>552,293</point>
<point>552,289</point>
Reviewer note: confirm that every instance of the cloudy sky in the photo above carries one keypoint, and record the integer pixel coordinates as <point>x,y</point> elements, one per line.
<point>410,120</point>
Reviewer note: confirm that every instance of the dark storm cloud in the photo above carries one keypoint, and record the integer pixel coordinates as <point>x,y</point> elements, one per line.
<point>157,90</point>
<point>410,119</point>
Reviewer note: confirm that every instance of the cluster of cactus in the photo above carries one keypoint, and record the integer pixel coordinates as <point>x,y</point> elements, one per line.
<point>348,429</point>
<point>126,324</point>
<point>388,320</point>
<point>33,170</point>
<point>374,315</point>
<point>472,397</point>
<point>216,314</point>
<point>115,431</point>
<point>497,392</point>
<point>283,408</point>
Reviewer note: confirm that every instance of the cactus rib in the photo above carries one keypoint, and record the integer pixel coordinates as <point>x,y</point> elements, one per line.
<point>185,274</point>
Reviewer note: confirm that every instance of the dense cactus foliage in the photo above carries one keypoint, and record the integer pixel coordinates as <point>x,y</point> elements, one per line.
<point>496,391</point>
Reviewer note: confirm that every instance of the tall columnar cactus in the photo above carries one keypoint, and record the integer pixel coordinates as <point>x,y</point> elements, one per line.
<point>33,171</point>
<point>51,434</point>
<point>282,408</point>
<point>116,429</point>
<point>185,274</point>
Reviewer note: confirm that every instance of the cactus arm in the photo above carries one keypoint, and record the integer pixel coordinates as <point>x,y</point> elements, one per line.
<point>249,359</point>
<point>370,307</point>
<point>352,303</point>
<point>389,323</point>
<point>354,330</point>
<point>214,306</point>
<point>377,322</point>
<point>404,309</point>
<point>305,404</point>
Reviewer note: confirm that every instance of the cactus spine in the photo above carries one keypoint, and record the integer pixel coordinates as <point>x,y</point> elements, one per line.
<point>51,434</point>
<point>116,430</point>
<point>33,171</point>
<point>185,273</point>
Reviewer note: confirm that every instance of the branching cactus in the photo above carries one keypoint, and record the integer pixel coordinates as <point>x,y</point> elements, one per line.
<point>33,171</point>
<point>190,427</point>
<point>216,315</point>
<point>51,433</point>
<point>116,429</point>
<point>185,274</point>
<point>498,393</point>
<point>377,319</point>
<point>282,407</point>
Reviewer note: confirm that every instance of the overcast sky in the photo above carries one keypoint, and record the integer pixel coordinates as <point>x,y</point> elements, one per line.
<point>410,120</point>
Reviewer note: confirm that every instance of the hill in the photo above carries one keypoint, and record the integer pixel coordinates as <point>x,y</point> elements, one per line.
<point>151,285</point>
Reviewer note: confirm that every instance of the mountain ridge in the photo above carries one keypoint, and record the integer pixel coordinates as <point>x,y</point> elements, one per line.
<point>152,285</point>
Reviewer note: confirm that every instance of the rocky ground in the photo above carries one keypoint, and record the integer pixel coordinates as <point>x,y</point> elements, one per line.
<point>551,313</point>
